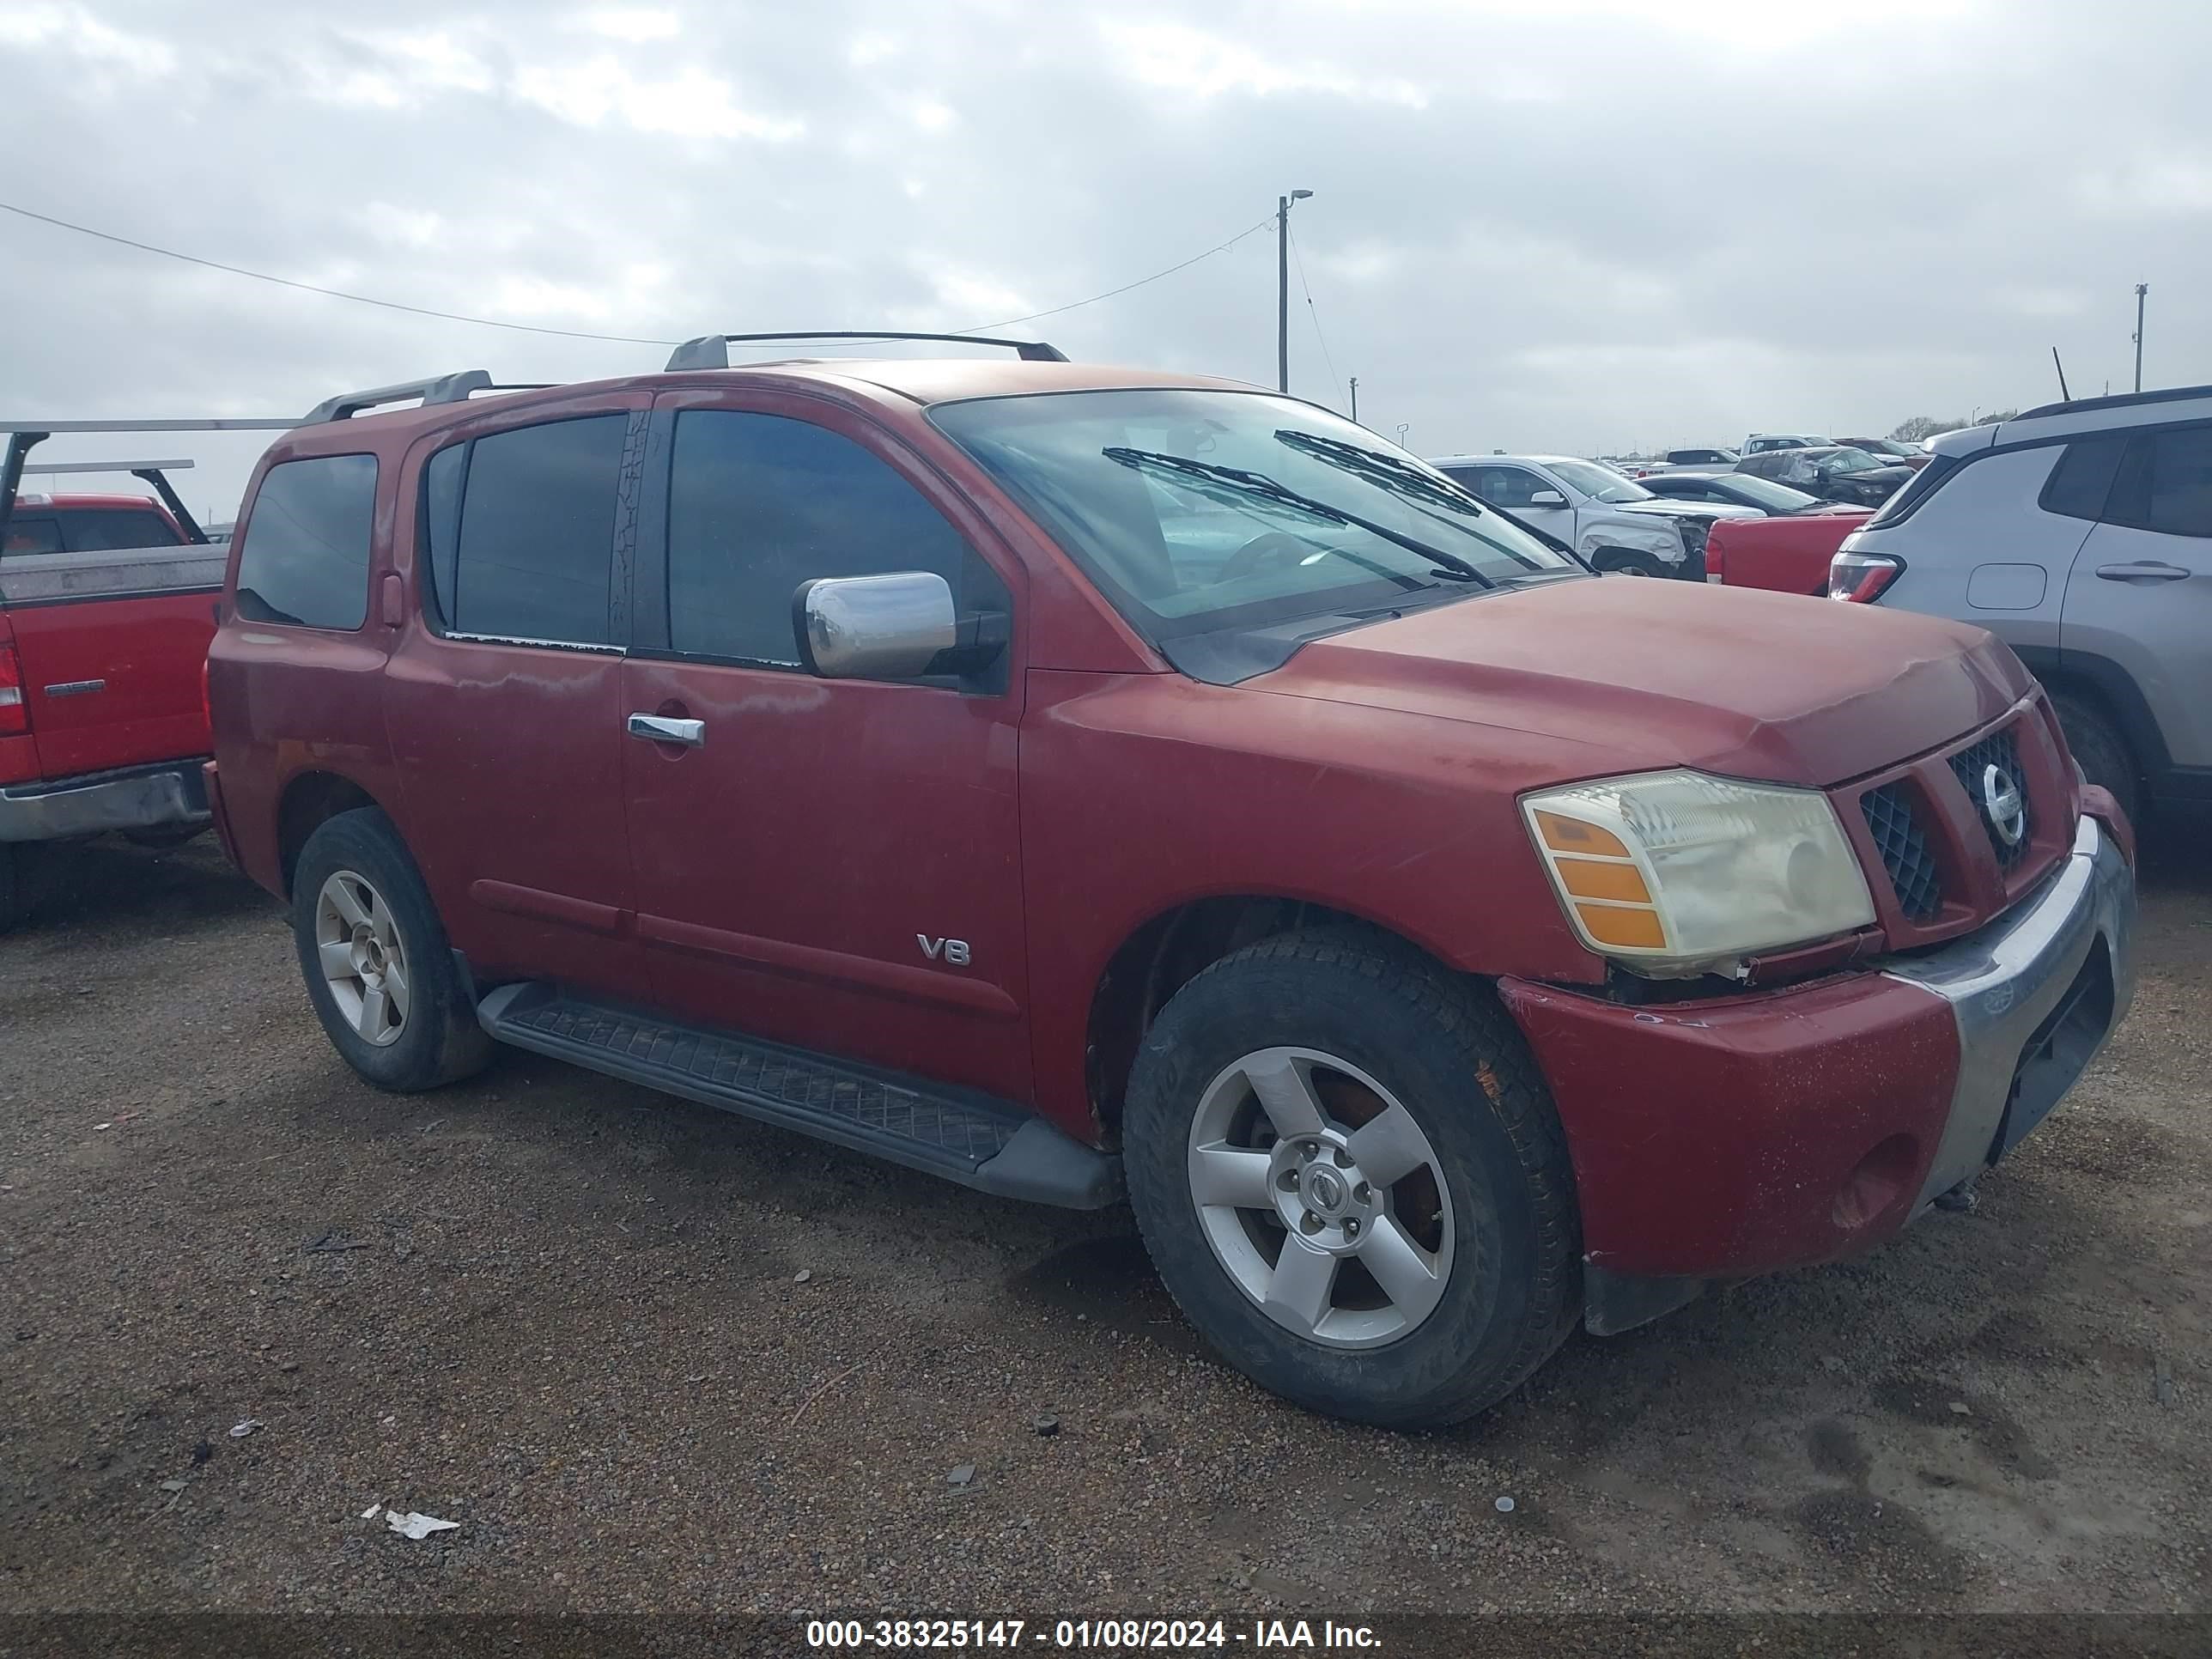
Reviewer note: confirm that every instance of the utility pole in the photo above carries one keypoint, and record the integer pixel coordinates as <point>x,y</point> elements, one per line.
<point>1283,287</point>
<point>2142,288</point>
<point>1355,400</point>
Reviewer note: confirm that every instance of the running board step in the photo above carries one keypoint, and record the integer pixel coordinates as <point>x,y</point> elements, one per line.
<point>962,1135</point>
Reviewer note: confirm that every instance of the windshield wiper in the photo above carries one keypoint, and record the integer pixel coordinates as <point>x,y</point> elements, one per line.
<point>1400,477</point>
<point>1259,486</point>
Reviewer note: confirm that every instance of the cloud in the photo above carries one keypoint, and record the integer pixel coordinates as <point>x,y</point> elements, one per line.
<point>1563,226</point>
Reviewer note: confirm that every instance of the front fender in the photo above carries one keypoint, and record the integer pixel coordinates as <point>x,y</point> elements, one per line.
<point>1662,541</point>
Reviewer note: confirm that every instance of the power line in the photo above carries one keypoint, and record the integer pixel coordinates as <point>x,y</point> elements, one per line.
<point>573,334</point>
<point>1314,312</point>
<point>329,293</point>
<point>977,328</point>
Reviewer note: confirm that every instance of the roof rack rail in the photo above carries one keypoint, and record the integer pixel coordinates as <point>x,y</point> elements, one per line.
<point>712,350</point>
<point>440,389</point>
<point>53,468</point>
<point>2117,400</point>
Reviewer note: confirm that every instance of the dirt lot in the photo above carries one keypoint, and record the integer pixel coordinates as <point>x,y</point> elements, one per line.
<point>651,1357</point>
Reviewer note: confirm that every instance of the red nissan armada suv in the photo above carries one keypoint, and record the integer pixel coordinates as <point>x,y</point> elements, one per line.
<point>1073,780</point>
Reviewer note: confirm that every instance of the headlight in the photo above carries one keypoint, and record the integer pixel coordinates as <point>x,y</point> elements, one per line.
<point>1694,531</point>
<point>1676,873</point>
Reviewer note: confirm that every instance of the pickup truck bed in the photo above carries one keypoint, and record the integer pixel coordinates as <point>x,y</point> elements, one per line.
<point>1788,553</point>
<point>103,720</point>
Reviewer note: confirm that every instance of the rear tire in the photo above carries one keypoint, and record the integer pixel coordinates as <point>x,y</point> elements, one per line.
<point>13,906</point>
<point>2103,754</point>
<point>378,966</point>
<point>1630,564</point>
<point>1466,1160</point>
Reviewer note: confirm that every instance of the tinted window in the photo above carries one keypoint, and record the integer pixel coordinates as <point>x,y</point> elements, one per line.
<point>304,558</point>
<point>441,520</point>
<point>535,550</point>
<point>759,503</point>
<point>2175,498</point>
<point>1501,486</point>
<point>33,534</point>
<point>2079,483</point>
<point>105,530</point>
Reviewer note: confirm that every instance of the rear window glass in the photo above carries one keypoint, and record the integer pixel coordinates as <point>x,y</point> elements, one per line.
<point>2083,477</point>
<point>108,529</point>
<point>33,536</point>
<point>535,554</point>
<point>304,556</point>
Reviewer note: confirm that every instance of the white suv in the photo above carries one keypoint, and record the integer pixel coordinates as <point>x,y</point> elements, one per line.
<point>1613,521</point>
<point>2081,534</point>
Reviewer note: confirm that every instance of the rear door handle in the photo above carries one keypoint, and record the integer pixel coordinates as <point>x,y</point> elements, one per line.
<point>2146,570</point>
<point>659,728</point>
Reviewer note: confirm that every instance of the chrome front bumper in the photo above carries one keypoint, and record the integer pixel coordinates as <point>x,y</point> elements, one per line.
<point>2035,993</point>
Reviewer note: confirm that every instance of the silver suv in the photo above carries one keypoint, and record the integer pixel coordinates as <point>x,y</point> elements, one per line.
<point>2081,534</point>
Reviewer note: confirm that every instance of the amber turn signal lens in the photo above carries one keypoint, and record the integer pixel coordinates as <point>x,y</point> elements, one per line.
<point>1587,878</point>
<point>1573,835</point>
<point>1638,928</point>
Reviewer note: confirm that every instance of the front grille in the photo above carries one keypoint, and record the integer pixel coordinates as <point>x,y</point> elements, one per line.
<point>1904,851</point>
<point>1969,765</point>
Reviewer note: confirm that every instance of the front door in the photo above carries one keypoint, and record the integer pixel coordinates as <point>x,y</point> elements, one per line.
<point>503,697</point>
<point>833,864</point>
<point>2140,591</point>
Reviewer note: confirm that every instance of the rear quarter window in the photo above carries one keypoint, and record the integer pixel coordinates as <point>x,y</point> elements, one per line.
<point>2083,477</point>
<point>303,550</point>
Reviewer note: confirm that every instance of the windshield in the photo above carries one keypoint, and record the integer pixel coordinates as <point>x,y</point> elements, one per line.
<point>1764,492</point>
<point>1598,481</point>
<point>1196,511</point>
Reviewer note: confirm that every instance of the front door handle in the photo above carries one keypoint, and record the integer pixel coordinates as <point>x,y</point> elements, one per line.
<point>659,728</point>
<point>2146,570</point>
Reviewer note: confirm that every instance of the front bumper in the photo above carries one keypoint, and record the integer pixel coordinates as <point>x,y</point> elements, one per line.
<point>136,797</point>
<point>1723,1138</point>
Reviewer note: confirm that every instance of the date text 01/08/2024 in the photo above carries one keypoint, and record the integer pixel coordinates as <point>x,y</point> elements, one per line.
<point>1292,1635</point>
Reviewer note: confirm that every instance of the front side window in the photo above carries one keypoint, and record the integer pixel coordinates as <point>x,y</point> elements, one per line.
<point>759,503</point>
<point>303,553</point>
<point>1501,486</point>
<point>533,556</point>
<point>1312,517</point>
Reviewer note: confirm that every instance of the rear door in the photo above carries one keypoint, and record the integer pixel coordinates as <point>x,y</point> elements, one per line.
<point>503,695</point>
<point>2140,591</point>
<point>837,863</point>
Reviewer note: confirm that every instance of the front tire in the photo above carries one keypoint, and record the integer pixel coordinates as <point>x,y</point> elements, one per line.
<point>1351,1180</point>
<point>378,969</point>
<point>2105,758</point>
<point>1619,563</point>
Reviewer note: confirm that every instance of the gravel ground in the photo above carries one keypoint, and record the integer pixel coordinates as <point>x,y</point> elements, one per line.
<point>654,1358</point>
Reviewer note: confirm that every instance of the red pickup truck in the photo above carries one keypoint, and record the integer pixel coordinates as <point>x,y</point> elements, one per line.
<point>1063,778</point>
<point>107,607</point>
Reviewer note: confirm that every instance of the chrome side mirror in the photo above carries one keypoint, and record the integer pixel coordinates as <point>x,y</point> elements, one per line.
<point>873,628</point>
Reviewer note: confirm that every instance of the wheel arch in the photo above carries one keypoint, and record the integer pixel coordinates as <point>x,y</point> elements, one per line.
<point>2112,692</point>
<point>1169,949</point>
<point>309,801</point>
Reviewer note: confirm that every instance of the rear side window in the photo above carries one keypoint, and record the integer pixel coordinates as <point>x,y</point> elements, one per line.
<point>304,556</point>
<point>2083,477</point>
<point>33,535</point>
<point>534,555</point>
<point>759,503</point>
<point>2166,484</point>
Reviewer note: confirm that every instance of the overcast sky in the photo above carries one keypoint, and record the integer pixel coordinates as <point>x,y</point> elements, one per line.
<point>1537,224</point>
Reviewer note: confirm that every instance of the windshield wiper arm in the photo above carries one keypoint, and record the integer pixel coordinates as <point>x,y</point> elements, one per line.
<point>1260,487</point>
<point>1400,477</point>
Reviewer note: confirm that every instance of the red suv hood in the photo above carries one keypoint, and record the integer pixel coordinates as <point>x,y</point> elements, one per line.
<point>1760,685</point>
